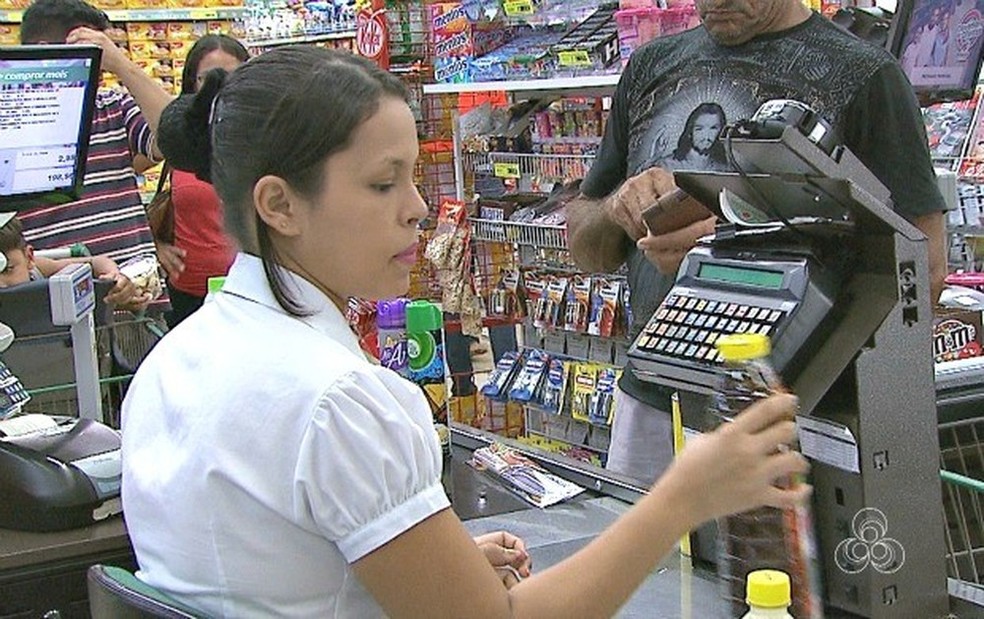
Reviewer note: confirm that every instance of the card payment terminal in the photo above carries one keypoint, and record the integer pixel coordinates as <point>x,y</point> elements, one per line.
<point>754,283</point>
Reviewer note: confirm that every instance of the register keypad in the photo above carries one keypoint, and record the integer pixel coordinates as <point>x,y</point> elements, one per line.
<point>686,326</point>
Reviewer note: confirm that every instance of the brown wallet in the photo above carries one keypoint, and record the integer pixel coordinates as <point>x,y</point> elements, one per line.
<point>674,210</point>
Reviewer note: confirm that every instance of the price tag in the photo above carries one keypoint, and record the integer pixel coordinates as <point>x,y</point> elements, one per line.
<point>13,16</point>
<point>506,170</point>
<point>204,14</point>
<point>574,58</point>
<point>518,8</point>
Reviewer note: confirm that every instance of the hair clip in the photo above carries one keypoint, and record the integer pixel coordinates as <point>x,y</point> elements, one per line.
<point>212,120</point>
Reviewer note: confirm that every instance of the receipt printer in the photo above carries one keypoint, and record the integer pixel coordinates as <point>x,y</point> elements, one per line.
<point>57,472</point>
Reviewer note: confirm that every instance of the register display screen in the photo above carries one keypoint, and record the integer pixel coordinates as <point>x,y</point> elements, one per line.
<point>939,44</point>
<point>47,94</point>
<point>746,277</point>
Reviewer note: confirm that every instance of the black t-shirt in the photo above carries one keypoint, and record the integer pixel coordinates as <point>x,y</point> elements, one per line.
<point>678,92</point>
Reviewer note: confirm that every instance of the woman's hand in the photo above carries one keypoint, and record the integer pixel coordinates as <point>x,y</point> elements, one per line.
<point>507,554</point>
<point>171,257</point>
<point>740,465</point>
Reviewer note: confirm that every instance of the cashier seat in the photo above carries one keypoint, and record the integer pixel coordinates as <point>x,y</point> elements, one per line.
<point>115,593</point>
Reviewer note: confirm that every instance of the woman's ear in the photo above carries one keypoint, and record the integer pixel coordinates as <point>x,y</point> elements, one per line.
<point>278,205</point>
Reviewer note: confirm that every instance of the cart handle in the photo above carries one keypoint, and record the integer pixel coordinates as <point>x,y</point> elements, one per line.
<point>961,480</point>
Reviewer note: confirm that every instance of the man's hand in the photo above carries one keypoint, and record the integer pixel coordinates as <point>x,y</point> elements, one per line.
<point>667,250</point>
<point>625,206</point>
<point>113,58</point>
<point>171,257</point>
<point>507,554</point>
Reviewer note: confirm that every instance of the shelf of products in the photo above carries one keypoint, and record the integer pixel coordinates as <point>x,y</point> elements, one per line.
<point>584,85</point>
<point>532,235</point>
<point>307,38</point>
<point>544,167</point>
<point>125,15</point>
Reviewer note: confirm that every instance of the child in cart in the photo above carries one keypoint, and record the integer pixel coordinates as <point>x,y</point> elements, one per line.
<point>19,265</point>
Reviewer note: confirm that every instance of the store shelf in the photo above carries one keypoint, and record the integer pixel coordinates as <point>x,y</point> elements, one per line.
<point>966,230</point>
<point>533,235</point>
<point>305,38</point>
<point>195,14</point>
<point>556,168</point>
<point>585,85</point>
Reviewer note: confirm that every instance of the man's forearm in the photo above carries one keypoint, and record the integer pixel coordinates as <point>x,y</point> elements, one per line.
<point>151,98</point>
<point>933,226</point>
<point>597,244</point>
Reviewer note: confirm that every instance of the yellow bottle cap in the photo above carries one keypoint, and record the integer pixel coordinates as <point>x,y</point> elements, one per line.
<point>743,346</point>
<point>768,589</point>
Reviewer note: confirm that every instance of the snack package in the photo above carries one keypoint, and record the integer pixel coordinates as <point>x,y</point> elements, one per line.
<point>528,379</point>
<point>144,272</point>
<point>502,376</point>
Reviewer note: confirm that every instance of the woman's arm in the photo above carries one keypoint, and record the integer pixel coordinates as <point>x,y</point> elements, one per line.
<point>436,570</point>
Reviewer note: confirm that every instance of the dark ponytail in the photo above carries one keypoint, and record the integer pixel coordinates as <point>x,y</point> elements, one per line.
<point>184,134</point>
<point>281,114</point>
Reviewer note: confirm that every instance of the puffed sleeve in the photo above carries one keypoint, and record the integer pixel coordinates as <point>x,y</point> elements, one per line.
<point>369,466</point>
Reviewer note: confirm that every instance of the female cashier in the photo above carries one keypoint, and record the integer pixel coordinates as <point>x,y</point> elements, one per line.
<point>269,467</point>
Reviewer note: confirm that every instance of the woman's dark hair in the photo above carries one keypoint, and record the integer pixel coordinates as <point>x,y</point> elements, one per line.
<point>281,114</point>
<point>50,21</point>
<point>686,141</point>
<point>203,47</point>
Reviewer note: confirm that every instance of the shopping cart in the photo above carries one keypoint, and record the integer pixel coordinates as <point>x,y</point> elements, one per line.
<point>962,463</point>
<point>44,363</point>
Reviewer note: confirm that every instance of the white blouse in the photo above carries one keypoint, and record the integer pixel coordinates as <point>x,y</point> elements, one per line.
<point>263,454</point>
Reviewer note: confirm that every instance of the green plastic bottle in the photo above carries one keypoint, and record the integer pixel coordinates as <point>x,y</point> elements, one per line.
<point>425,351</point>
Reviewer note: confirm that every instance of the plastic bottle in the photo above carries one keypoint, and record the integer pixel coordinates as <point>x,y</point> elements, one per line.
<point>763,538</point>
<point>425,352</point>
<point>391,327</point>
<point>768,595</point>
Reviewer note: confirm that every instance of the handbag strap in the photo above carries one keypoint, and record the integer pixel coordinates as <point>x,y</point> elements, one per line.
<point>165,176</point>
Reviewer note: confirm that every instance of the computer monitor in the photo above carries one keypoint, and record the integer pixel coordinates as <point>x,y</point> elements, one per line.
<point>939,45</point>
<point>47,97</point>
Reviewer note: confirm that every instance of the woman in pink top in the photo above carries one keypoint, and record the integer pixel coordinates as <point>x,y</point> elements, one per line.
<point>201,248</point>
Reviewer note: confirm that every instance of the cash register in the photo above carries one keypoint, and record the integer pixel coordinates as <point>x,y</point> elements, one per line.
<point>58,472</point>
<point>55,472</point>
<point>813,256</point>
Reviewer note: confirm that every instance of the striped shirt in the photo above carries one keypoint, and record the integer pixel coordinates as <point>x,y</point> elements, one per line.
<point>110,217</point>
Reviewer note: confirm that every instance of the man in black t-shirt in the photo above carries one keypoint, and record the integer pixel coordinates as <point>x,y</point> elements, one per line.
<point>745,53</point>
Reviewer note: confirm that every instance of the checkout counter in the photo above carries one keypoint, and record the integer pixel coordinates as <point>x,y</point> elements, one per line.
<point>850,316</point>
